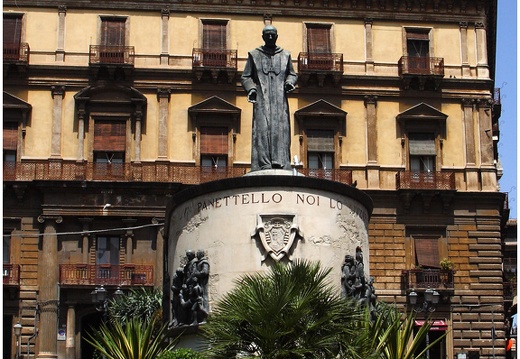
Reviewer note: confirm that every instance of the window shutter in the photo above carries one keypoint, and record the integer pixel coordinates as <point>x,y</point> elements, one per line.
<point>427,252</point>
<point>214,35</point>
<point>10,136</point>
<point>417,35</point>
<point>113,32</point>
<point>318,39</point>
<point>214,140</point>
<point>422,144</point>
<point>109,136</point>
<point>12,29</point>
<point>320,140</point>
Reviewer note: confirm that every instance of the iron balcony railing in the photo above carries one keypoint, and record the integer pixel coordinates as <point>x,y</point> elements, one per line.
<point>118,275</point>
<point>11,274</point>
<point>16,52</point>
<point>308,61</point>
<point>417,65</point>
<point>46,170</point>
<point>428,278</point>
<point>425,180</point>
<point>117,55</point>
<point>214,58</point>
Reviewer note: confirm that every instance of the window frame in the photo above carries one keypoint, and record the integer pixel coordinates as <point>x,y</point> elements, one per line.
<point>329,25</point>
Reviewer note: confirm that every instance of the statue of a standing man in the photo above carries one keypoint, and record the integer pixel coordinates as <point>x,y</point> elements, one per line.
<point>268,76</point>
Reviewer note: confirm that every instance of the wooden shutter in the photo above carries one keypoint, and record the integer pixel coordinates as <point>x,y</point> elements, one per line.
<point>214,140</point>
<point>12,29</point>
<point>318,39</point>
<point>10,136</point>
<point>113,32</point>
<point>320,140</point>
<point>214,35</point>
<point>422,144</point>
<point>109,136</point>
<point>417,35</point>
<point>427,252</point>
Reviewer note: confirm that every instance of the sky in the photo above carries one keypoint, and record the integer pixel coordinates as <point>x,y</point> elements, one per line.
<point>506,79</point>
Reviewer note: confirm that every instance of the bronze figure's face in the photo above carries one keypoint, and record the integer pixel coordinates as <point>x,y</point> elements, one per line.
<point>270,35</point>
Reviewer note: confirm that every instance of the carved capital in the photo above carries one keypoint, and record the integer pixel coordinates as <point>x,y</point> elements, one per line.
<point>165,12</point>
<point>467,102</point>
<point>163,93</point>
<point>58,90</point>
<point>43,217</point>
<point>369,21</point>
<point>485,103</point>
<point>463,25</point>
<point>370,100</point>
<point>480,25</point>
<point>268,19</point>
<point>62,9</point>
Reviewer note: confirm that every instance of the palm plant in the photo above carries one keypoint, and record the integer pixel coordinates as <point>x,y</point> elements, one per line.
<point>138,303</point>
<point>394,338</point>
<point>135,340</point>
<point>290,311</point>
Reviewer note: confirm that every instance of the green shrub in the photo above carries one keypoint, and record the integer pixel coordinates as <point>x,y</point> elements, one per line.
<point>182,353</point>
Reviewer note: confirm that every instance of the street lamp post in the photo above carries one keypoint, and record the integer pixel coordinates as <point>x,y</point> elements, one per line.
<point>100,297</point>
<point>431,299</point>
<point>17,333</point>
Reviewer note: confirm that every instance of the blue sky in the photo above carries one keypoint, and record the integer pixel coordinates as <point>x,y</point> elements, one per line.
<point>506,80</point>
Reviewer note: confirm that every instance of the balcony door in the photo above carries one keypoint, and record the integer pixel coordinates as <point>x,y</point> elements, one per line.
<point>213,149</point>
<point>107,258</point>
<point>320,152</point>
<point>319,47</point>
<point>418,50</point>
<point>214,46</point>
<point>12,36</point>
<point>113,32</point>
<point>109,148</point>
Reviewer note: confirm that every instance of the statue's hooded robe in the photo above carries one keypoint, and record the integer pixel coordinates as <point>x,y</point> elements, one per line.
<point>267,71</point>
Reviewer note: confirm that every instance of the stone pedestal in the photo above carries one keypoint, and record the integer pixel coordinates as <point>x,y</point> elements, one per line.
<point>246,224</point>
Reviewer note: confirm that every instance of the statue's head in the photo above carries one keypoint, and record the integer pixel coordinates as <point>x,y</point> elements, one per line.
<point>270,35</point>
<point>190,254</point>
<point>200,253</point>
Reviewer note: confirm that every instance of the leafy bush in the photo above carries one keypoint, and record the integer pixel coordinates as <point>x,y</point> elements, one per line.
<point>182,353</point>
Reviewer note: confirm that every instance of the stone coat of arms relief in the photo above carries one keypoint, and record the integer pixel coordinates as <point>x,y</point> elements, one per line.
<point>277,234</point>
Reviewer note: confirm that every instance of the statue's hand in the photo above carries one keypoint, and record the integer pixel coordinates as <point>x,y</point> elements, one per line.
<point>289,87</point>
<point>251,96</point>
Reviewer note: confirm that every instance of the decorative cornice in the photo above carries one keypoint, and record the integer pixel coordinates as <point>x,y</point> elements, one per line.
<point>43,217</point>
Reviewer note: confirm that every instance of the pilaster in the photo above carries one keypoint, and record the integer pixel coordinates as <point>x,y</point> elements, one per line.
<point>165,17</point>
<point>57,92</point>
<point>163,96</point>
<point>60,49</point>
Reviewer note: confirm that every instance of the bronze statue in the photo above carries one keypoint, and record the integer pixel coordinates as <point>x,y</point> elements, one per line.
<point>268,76</point>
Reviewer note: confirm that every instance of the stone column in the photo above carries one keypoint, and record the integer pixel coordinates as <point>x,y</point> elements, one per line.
<point>369,60</point>
<point>85,239</point>
<point>165,17</point>
<point>129,236</point>
<point>49,296</point>
<point>58,92</point>
<point>81,133</point>
<point>163,96</point>
<point>138,117</point>
<point>70,344</point>
<point>463,25</point>
<point>60,50</point>
<point>469,134</point>
<point>482,56</point>
<point>487,157</point>
<point>372,165</point>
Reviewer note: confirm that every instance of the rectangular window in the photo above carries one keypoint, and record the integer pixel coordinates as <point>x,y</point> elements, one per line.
<point>422,152</point>
<point>320,149</point>
<point>107,251</point>
<point>418,48</point>
<point>6,248</point>
<point>10,136</point>
<point>214,140</point>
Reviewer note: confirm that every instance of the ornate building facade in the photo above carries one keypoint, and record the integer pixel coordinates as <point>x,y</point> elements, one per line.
<point>111,107</point>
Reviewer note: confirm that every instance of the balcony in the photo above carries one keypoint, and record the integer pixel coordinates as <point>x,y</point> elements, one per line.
<point>425,180</point>
<point>421,73</point>
<point>439,279</point>
<point>116,275</point>
<point>16,52</point>
<point>214,63</point>
<point>11,274</point>
<point>139,172</point>
<point>111,55</point>
<point>320,65</point>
